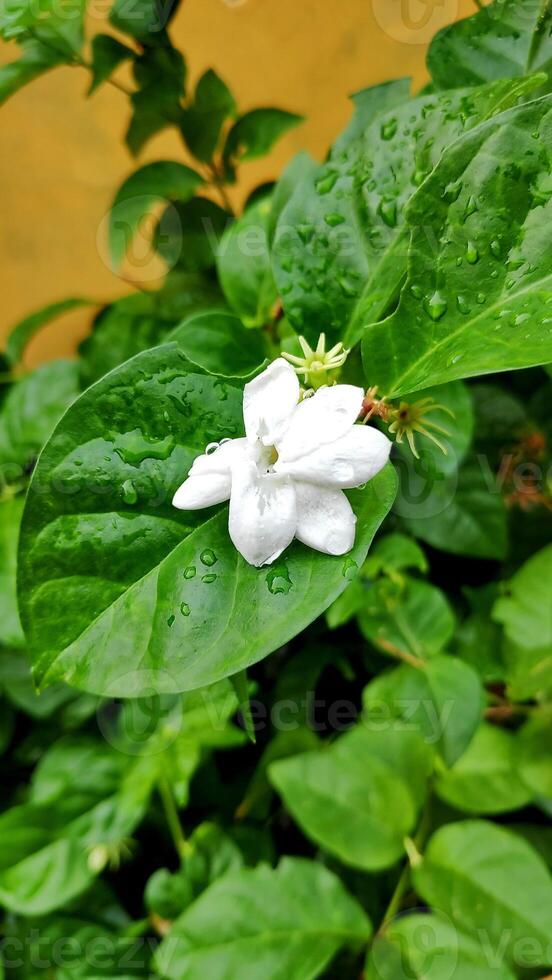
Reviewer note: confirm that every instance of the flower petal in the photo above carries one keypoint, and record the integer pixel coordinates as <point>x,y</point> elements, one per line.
<point>325,417</point>
<point>349,461</point>
<point>203,491</point>
<point>269,402</point>
<point>325,519</point>
<point>221,460</point>
<point>262,514</point>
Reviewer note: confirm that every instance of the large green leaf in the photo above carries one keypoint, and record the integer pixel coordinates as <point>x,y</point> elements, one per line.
<point>356,800</point>
<point>288,922</point>
<point>160,74</point>
<point>485,780</point>
<point>504,39</point>
<point>119,589</point>
<point>219,343</point>
<point>341,244</point>
<point>11,633</point>
<point>410,616</point>
<point>478,296</point>
<point>107,55</point>
<point>423,946</point>
<point>254,134</point>
<point>485,877</point>
<point>443,701</point>
<point>152,184</point>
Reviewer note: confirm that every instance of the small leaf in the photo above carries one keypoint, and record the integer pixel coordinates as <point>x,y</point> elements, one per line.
<point>24,331</point>
<point>160,74</point>
<point>411,616</point>
<point>254,134</point>
<point>241,689</point>
<point>145,20</point>
<point>203,120</point>
<point>290,920</point>
<point>525,610</point>
<point>152,184</point>
<point>483,876</point>
<point>188,235</point>
<point>243,264</point>
<point>107,55</point>
<point>485,780</point>
<point>217,342</point>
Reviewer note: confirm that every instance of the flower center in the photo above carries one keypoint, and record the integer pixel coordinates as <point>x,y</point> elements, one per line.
<point>266,458</point>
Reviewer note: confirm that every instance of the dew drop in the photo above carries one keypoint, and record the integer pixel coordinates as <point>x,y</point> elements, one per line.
<point>210,577</point>
<point>333,219</point>
<point>171,620</point>
<point>388,212</point>
<point>278,580</point>
<point>185,609</point>
<point>349,569</point>
<point>436,306</point>
<point>472,253</point>
<point>190,572</point>
<point>389,129</point>
<point>130,495</point>
<point>495,249</point>
<point>325,184</point>
<point>208,557</point>
<point>211,448</point>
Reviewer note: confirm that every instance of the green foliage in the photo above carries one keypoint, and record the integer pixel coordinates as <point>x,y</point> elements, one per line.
<point>198,719</point>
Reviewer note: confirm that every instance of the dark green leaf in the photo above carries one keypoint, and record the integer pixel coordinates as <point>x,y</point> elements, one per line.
<point>217,342</point>
<point>16,682</point>
<point>254,134</point>
<point>160,74</point>
<point>144,20</point>
<point>188,235</point>
<point>352,799</point>
<point>107,55</point>
<point>478,292</point>
<point>483,876</point>
<point>243,263</point>
<point>485,779</point>
<point>105,601</point>
<point>203,120</point>
<point>152,184</point>
<point>504,39</point>
<point>263,922</point>
<point>409,616</point>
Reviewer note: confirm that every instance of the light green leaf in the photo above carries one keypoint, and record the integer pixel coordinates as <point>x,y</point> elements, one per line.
<point>355,800</point>
<point>478,294</point>
<point>260,923</point>
<point>53,31</point>
<point>485,779</point>
<point>254,134</point>
<point>534,753</point>
<point>151,185</point>
<point>120,590</point>
<point>442,701</point>
<point>217,342</point>
<point>411,616</point>
<point>24,331</point>
<point>243,264</point>
<point>16,683</point>
<point>483,876</point>
<point>107,55</point>
<point>369,103</point>
<point>341,246</point>
<point>503,39</point>
<point>11,633</point>
<point>35,60</point>
<point>394,553</point>
<point>424,946</point>
<point>525,609</point>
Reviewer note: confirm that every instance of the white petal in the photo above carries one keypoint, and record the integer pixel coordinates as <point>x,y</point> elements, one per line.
<point>349,461</point>
<point>221,460</point>
<point>325,519</point>
<point>262,515</point>
<point>325,417</point>
<point>269,401</point>
<point>203,491</point>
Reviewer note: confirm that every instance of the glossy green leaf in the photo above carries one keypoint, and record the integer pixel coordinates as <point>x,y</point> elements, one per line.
<point>357,799</point>
<point>301,167</point>
<point>11,633</point>
<point>482,875</point>
<point>107,55</point>
<point>25,330</point>
<point>254,134</point>
<point>478,294</point>
<point>485,780</point>
<point>243,264</point>
<point>202,121</point>
<point>427,946</point>
<point>504,39</point>
<point>442,701</point>
<point>460,513</point>
<point>188,235</point>
<point>369,103</point>
<point>152,184</point>
<point>412,616</point>
<point>257,923</point>
<point>143,320</point>
<point>341,246</point>
<point>118,588</point>
<point>55,29</point>
<point>217,342</point>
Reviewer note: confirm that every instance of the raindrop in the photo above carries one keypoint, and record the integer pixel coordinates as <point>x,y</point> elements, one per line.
<point>130,495</point>
<point>208,557</point>
<point>190,572</point>
<point>388,212</point>
<point>436,306</point>
<point>349,569</point>
<point>211,577</point>
<point>471,207</point>
<point>325,184</point>
<point>278,580</point>
<point>333,219</point>
<point>472,253</point>
<point>389,129</point>
<point>184,609</point>
<point>171,620</point>
<point>495,249</point>
<point>211,448</point>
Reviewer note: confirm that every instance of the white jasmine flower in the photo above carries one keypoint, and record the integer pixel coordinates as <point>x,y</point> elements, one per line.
<point>285,480</point>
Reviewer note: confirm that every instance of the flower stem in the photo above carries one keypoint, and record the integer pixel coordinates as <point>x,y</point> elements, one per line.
<point>173,820</point>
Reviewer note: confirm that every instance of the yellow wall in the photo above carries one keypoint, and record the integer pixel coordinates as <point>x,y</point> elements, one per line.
<point>63,157</point>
